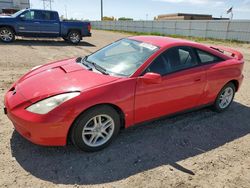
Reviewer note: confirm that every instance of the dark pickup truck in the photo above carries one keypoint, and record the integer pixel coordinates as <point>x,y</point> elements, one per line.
<point>41,23</point>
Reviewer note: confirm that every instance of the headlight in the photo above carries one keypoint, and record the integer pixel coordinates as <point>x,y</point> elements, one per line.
<point>46,105</point>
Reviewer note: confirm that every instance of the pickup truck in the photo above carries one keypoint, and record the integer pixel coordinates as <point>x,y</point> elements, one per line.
<point>41,23</point>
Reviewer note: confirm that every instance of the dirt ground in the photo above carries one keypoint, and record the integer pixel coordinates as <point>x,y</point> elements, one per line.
<point>197,149</point>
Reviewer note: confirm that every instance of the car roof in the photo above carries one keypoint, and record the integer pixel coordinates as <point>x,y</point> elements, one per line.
<point>165,42</point>
<point>40,10</point>
<point>161,41</point>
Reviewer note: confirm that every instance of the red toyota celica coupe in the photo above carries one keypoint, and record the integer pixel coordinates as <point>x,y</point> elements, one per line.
<point>133,80</point>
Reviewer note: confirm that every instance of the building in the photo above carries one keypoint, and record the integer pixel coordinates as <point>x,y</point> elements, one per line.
<point>183,16</point>
<point>11,6</point>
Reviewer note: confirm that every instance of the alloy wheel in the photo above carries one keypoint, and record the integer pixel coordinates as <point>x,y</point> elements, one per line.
<point>226,97</point>
<point>74,37</point>
<point>6,35</point>
<point>98,130</point>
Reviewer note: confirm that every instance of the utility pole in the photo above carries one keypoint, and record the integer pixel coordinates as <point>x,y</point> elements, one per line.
<point>232,15</point>
<point>101,10</point>
<point>66,12</point>
<point>29,5</point>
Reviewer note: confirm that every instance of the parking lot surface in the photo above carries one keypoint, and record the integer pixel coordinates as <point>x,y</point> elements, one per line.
<point>197,149</point>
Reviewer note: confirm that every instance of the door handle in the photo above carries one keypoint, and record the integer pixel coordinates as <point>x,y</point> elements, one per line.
<point>36,22</point>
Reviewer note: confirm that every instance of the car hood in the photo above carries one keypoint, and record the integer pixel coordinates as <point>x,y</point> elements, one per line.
<point>6,17</point>
<point>59,77</point>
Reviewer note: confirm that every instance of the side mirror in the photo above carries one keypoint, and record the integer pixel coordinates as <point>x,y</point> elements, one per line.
<point>152,78</point>
<point>22,17</point>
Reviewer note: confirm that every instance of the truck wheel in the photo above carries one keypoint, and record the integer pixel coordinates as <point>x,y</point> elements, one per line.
<point>65,39</point>
<point>74,37</point>
<point>7,34</point>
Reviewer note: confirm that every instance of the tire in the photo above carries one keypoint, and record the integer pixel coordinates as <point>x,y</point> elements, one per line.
<point>230,90</point>
<point>7,35</point>
<point>65,39</point>
<point>88,136</point>
<point>74,37</point>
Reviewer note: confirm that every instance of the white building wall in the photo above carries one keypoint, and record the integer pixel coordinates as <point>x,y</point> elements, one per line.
<point>218,29</point>
<point>14,4</point>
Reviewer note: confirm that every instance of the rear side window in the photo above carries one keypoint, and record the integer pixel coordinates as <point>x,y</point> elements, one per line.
<point>48,15</point>
<point>53,16</point>
<point>206,57</point>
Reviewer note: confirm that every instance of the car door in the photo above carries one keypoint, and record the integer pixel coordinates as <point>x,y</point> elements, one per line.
<point>49,24</point>
<point>216,72</point>
<point>182,85</point>
<point>28,24</point>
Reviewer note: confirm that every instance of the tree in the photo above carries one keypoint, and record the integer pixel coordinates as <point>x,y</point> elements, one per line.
<point>125,19</point>
<point>106,18</point>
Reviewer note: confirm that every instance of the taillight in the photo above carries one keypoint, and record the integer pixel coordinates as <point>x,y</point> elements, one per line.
<point>89,27</point>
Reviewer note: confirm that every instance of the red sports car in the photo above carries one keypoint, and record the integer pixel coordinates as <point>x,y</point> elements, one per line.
<point>133,80</point>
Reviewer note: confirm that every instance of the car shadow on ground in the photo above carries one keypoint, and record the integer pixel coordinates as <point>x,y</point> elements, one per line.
<point>136,149</point>
<point>46,42</point>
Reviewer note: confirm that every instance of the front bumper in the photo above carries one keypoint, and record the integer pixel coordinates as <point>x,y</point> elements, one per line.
<point>46,130</point>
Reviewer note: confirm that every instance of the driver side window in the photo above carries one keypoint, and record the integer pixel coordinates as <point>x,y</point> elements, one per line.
<point>30,15</point>
<point>173,60</point>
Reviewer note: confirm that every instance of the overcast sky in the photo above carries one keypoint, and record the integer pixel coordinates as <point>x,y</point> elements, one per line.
<point>143,9</point>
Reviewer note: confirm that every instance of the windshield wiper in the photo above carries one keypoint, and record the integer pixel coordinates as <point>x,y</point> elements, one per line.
<point>97,67</point>
<point>82,61</point>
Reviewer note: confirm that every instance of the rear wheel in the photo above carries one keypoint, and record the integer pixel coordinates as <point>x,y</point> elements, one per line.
<point>65,39</point>
<point>225,98</point>
<point>7,34</point>
<point>96,128</point>
<point>74,37</point>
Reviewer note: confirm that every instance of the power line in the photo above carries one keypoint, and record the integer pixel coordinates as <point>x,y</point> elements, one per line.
<point>47,4</point>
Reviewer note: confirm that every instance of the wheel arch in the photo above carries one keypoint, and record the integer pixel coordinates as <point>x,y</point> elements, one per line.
<point>9,26</point>
<point>115,107</point>
<point>75,29</point>
<point>236,84</point>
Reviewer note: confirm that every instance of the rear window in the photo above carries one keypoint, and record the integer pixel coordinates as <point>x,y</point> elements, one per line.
<point>206,57</point>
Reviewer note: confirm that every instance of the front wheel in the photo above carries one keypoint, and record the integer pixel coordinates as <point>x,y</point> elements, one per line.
<point>74,37</point>
<point>225,98</point>
<point>7,35</point>
<point>95,129</point>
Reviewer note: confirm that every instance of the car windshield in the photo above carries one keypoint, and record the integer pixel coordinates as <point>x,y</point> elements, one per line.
<point>18,13</point>
<point>122,58</point>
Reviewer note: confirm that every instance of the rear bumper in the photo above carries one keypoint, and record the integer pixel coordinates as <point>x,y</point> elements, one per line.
<point>87,35</point>
<point>240,80</point>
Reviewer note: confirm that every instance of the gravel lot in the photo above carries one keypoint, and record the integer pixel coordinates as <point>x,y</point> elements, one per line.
<point>198,149</point>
